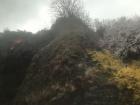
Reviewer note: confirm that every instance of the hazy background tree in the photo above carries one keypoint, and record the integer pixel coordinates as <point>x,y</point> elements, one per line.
<point>66,8</point>
<point>118,33</point>
<point>69,9</point>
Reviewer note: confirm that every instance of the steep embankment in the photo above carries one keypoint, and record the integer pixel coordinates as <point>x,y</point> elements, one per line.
<point>66,66</point>
<point>73,70</point>
<point>68,72</point>
<point>56,73</point>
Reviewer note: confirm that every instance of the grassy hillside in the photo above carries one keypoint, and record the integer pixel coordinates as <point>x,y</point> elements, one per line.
<point>70,64</point>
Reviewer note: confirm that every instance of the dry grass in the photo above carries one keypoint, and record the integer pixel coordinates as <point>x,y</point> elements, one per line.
<point>126,76</point>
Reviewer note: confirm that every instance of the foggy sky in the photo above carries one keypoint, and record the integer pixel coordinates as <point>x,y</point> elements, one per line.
<point>34,15</point>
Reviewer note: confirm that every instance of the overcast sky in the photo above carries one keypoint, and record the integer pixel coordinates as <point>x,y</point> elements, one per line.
<point>34,15</point>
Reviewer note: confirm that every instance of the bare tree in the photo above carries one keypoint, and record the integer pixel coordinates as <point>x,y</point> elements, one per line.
<point>67,8</point>
<point>71,8</point>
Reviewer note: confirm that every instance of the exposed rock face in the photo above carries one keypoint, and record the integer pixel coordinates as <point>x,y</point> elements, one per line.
<point>16,52</point>
<point>13,69</point>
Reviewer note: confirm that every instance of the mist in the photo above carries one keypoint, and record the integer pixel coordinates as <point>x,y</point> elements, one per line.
<point>34,15</point>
